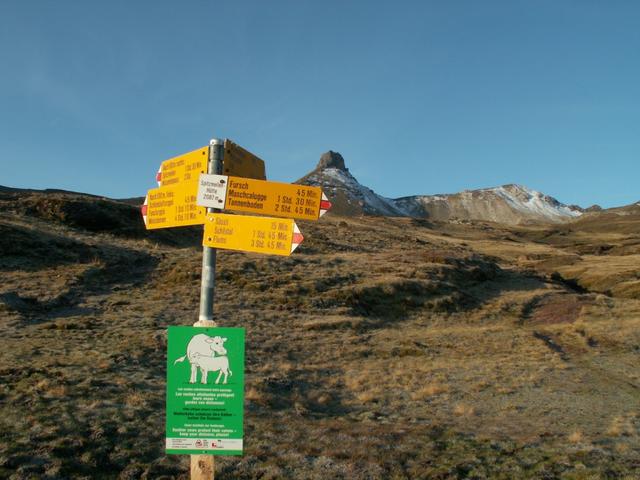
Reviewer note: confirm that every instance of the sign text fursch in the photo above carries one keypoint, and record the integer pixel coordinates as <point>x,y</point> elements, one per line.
<point>262,197</point>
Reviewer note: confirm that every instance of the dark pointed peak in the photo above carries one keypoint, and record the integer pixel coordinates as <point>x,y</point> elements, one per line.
<point>331,159</point>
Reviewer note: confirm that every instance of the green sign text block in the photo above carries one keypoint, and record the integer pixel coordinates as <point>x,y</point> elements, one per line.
<point>205,391</point>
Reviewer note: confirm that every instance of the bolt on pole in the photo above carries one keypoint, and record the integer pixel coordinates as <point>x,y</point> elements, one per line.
<point>203,466</point>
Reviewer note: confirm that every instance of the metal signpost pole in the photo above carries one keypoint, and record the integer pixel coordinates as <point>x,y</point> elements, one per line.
<point>203,466</point>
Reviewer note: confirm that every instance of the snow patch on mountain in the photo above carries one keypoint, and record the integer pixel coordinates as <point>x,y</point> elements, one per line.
<point>527,200</point>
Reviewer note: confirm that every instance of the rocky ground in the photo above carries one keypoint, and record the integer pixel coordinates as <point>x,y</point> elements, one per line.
<point>382,348</point>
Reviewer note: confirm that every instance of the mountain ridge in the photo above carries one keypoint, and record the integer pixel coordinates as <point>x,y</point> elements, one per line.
<point>509,204</point>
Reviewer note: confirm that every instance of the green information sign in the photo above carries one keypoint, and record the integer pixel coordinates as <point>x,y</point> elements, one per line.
<point>205,390</point>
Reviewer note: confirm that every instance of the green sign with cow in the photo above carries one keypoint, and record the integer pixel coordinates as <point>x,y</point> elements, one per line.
<point>205,390</point>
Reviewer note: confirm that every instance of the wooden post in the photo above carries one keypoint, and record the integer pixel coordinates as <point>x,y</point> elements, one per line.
<point>203,466</point>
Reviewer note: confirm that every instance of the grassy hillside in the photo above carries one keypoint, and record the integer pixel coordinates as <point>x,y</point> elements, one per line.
<point>382,348</point>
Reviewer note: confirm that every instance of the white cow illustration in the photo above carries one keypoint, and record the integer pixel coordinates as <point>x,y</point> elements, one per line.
<point>200,348</point>
<point>212,364</point>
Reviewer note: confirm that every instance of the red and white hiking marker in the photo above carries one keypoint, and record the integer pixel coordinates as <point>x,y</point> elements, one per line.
<point>325,205</point>
<point>143,209</point>
<point>297,237</point>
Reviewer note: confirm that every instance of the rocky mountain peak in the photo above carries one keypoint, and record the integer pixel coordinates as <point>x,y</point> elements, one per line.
<point>331,159</point>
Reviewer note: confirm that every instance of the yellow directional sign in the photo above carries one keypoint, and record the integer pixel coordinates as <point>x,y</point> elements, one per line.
<point>173,206</point>
<point>184,168</point>
<point>262,197</point>
<point>278,236</point>
<point>241,163</point>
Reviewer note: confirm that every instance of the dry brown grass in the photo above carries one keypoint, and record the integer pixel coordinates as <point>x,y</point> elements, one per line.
<point>428,391</point>
<point>576,437</point>
<point>462,410</point>
<point>623,426</point>
<point>136,399</point>
<point>457,350</point>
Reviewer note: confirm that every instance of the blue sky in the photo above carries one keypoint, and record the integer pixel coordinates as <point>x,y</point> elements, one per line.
<point>419,97</point>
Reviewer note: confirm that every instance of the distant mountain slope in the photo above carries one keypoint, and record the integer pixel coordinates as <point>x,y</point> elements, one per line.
<point>509,204</point>
<point>48,191</point>
<point>135,201</point>
<point>612,220</point>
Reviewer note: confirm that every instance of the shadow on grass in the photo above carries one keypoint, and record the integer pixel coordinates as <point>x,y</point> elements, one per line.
<point>302,392</point>
<point>118,268</point>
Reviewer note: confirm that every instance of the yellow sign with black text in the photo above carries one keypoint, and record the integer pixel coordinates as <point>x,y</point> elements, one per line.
<point>262,197</point>
<point>183,169</point>
<point>277,236</point>
<point>173,206</point>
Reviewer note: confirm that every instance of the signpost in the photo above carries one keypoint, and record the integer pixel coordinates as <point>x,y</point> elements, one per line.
<point>204,414</point>
<point>277,236</point>
<point>262,197</point>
